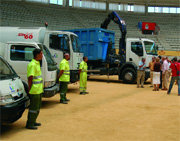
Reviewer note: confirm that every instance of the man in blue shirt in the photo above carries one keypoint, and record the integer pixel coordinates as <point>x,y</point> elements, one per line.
<point>141,73</point>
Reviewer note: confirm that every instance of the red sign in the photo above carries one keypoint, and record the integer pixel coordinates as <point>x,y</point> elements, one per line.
<point>148,26</point>
<point>26,36</point>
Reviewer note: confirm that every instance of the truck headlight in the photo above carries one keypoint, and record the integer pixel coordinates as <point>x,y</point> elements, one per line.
<point>6,99</point>
<point>49,84</point>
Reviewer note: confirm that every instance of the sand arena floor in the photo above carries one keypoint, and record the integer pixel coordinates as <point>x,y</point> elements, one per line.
<point>113,111</point>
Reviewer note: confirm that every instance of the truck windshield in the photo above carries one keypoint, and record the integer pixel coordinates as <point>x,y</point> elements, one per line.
<point>51,63</point>
<point>6,72</point>
<point>150,48</point>
<point>75,43</point>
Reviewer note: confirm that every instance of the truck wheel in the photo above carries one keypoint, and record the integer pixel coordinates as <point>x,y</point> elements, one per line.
<point>129,75</point>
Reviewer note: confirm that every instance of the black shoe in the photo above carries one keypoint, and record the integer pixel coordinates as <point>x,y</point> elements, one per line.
<point>67,99</point>
<point>63,102</point>
<point>32,127</point>
<point>82,93</point>
<point>37,124</point>
<point>86,92</point>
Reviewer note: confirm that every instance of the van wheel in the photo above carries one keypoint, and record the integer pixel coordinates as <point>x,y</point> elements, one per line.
<point>129,76</point>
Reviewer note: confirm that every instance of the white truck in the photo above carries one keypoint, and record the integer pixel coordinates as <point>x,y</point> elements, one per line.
<point>58,43</point>
<point>19,54</point>
<point>13,98</point>
<point>99,46</point>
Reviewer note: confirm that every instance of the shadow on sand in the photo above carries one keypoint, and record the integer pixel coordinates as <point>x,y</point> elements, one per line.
<point>10,129</point>
<point>47,103</point>
<point>111,81</point>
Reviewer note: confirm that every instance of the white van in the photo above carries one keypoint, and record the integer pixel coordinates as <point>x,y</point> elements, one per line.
<point>13,98</point>
<point>19,54</point>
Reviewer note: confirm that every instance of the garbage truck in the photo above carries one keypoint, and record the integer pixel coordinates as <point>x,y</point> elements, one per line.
<point>98,44</point>
<point>57,42</point>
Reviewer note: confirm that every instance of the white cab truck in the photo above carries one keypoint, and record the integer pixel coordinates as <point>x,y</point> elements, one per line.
<point>19,54</point>
<point>13,98</point>
<point>57,42</point>
<point>136,49</point>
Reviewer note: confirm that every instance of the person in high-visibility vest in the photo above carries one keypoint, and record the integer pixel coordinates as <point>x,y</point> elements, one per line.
<point>64,78</point>
<point>83,75</point>
<point>35,83</point>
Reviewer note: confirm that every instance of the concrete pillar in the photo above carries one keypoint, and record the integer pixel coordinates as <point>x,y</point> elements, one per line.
<point>67,3</point>
<point>64,3</point>
<point>107,5</point>
<point>72,3</point>
<point>146,9</point>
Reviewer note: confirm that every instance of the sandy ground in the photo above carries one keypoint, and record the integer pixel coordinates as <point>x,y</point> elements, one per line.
<point>113,111</point>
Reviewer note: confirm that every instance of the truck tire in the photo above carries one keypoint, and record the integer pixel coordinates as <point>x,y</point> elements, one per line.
<point>129,76</point>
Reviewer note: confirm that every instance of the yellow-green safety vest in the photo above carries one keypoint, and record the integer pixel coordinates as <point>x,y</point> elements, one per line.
<point>34,69</point>
<point>83,66</point>
<point>64,65</point>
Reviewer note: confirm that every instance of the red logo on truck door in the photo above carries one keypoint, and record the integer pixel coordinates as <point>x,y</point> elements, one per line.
<point>26,36</point>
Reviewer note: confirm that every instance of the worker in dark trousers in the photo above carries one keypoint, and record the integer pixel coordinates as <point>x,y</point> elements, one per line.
<point>64,78</point>
<point>83,76</point>
<point>35,83</point>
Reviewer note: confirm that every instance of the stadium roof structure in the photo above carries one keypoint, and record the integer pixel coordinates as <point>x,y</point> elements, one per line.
<point>163,3</point>
<point>175,3</point>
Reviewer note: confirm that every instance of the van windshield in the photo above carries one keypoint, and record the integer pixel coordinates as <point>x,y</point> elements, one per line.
<point>6,72</point>
<point>51,63</point>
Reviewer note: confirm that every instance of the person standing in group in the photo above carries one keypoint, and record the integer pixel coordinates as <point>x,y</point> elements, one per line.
<point>64,78</point>
<point>156,74</point>
<point>169,70</point>
<point>35,83</point>
<point>175,67</point>
<point>161,62</point>
<point>83,76</point>
<point>165,73</point>
<point>178,73</point>
<point>141,73</point>
<point>151,66</point>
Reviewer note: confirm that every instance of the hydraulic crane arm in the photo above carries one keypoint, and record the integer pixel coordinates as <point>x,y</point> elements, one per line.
<point>115,17</point>
<point>122,25</point>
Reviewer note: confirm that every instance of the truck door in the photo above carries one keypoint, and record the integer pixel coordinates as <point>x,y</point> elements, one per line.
<point>135,51</point>
<point>19,58</point>
<point>58,45</point>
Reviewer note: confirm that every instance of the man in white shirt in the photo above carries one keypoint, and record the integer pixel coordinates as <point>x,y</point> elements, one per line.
<point>141,73</point>
<point>165,73</point>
